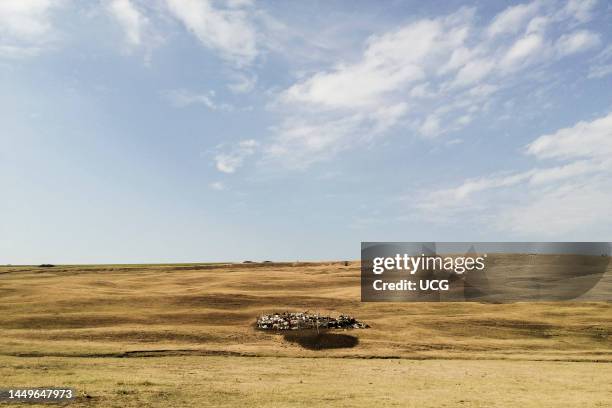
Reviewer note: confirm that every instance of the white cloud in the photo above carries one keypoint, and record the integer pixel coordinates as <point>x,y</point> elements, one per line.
<point>18,52</point>
<point>474,71</point>
<point>228,31</point>
<point>539,24</point>
<point>464,194</point>
<point>464,120</point>
<point>217,185</point>
<point>553,174</point>
<point>181,98</point>
<point>601,64</point>
<point>548,200</point>
<point>422,91</point>
<point>566,209</point>
<point>576,42</point>
<point>389,62</point>
<point>239,3</point>
<point>388,116</point>
<point>600,71</point>
<point>580,10</point>
<point>459,197</point>
<point>430,126</point>
<point>25,27</point>
<point>299,142</point>
<point>243,83</point>
<point>523,51</point>
<point>132,21</point>
<point>351,103</point>
<point>583,140</point>
<point>512,19</point>
<point>431,76</point>
<point>483,90</point>
<point>27,19</point>
<point>228,162</point>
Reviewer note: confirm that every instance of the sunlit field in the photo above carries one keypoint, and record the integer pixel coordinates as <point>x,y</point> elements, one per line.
<point>183,335</point>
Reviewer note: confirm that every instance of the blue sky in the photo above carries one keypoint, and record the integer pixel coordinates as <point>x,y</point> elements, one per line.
<point>194,130</point>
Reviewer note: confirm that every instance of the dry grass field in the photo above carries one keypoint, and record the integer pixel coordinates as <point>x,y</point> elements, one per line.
<point>182,335</point>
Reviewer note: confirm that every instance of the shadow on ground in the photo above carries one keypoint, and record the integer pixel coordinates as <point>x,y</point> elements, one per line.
<point>322,341</point>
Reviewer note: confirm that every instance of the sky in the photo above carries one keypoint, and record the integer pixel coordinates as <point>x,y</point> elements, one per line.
<point>196,130</point>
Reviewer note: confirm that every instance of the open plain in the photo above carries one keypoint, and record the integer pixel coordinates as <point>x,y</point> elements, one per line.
<point>183,335</point>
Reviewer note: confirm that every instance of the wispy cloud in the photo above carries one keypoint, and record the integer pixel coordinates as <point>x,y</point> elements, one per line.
<point>580,10</point>
<point>130,18</point>
<point>513,19</point>
<point>431,76</point>
<point>586,139</point>
<point>569,208</point>
<point>26,27</point>
<point>217,185</point>
<point>601,64</point>
<point>181,98</point>
<point>577,41</point>
<point>554,199</point>
<point>229,161</point>
<point>227,30</point>
<point>242,83</point>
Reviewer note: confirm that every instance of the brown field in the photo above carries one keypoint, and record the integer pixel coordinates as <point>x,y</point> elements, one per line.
<point>182,335</point>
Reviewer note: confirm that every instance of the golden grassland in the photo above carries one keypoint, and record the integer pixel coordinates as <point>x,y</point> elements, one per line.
<point>192,381</point>
<point>183,335</point>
